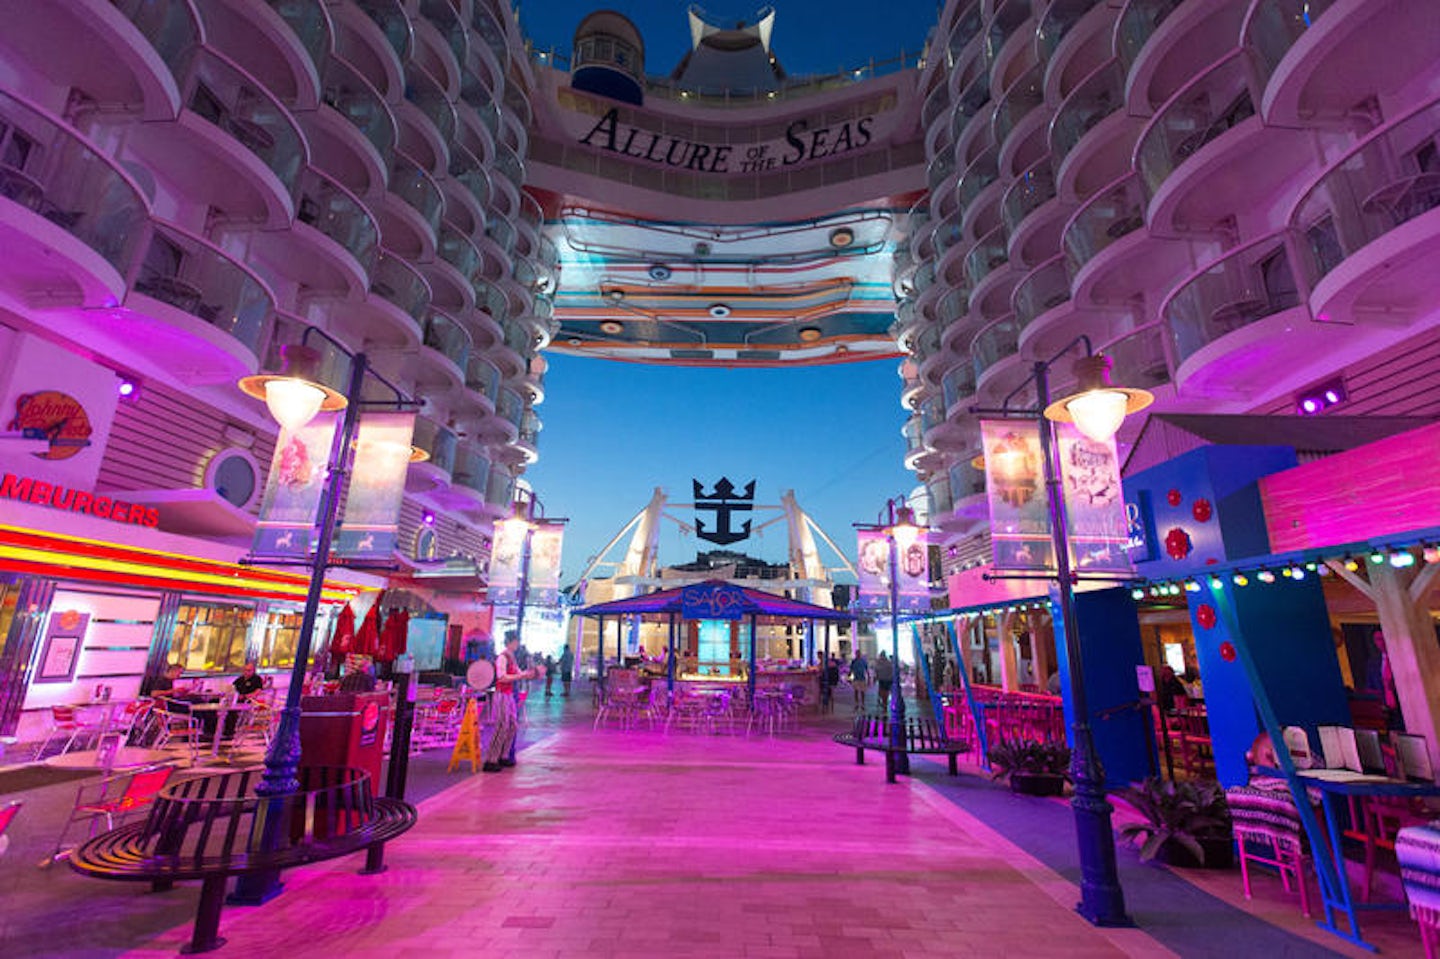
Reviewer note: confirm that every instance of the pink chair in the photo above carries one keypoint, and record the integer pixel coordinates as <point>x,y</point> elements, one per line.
<point>1268,819</point>
<point>95,801</point>
<point>7,815</point>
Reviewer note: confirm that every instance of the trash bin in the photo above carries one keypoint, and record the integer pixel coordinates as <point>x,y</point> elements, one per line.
<point>346,729</point>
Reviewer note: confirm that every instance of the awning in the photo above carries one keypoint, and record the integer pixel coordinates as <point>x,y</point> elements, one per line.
<point>746,602</point>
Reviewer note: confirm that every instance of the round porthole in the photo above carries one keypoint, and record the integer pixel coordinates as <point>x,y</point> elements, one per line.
<point>234,476</point>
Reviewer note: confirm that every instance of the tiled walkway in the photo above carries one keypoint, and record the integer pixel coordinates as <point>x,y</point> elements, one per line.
<point>637,844</point>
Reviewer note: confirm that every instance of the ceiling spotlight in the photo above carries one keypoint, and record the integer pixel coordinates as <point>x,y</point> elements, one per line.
<point>573,341</point>
<point>612,327</point>
<point>128,389</point>
<point>429,518</point>
<point>615,294</point>
<point>719,310</point>
<point>809,334</point>
<point>659,271</point>
<point>1137,593</point>
<point>841,237</point>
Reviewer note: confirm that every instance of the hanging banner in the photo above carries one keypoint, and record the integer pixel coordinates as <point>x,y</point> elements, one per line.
<point>293,488</point>
<point>545,543</point>
<point>1099,530</point>
<point>1015,486</point>
<point>505,556</point>
<point>371,523</point>
<point>873,569</point>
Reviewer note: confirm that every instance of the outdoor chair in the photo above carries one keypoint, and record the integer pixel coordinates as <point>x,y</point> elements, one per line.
<point>1418,850</point>
<point>113,799</point>
<point>1267,830</point>
<point>65,721</point>
<point>7,816</point>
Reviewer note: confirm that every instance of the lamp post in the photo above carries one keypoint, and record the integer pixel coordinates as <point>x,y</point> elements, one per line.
<point>294,397</point>
<point>1097,408</point>
<point>900,532</point>
<point>523,517</point>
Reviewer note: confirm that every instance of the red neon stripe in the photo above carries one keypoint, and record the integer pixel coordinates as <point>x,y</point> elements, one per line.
<point>137,579</point>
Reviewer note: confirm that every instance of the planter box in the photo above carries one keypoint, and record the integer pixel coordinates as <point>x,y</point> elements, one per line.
<point>1037,784</point>
<point>1219,854</point>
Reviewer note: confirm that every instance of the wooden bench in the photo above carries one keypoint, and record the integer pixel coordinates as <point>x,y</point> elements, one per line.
<point>213,827</point>
<point>920,736</point>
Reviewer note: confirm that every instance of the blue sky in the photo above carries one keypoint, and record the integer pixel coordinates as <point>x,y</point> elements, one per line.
<point>615,431</point>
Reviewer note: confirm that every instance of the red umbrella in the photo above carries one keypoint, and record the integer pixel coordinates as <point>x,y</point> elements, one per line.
<point>342,640</point>
<point>367,641</point>
<point>392,637</point>
<point>402,646</point>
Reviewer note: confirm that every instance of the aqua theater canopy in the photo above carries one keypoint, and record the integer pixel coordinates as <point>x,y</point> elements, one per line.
<point>714,599</point>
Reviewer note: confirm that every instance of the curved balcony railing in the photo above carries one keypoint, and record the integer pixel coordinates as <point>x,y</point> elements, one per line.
<point>427,96</point>
<point>1030,191</point>
<point>510,406</point>
<point>492,300</point>
<point>196,277</point>
<point>1272,27</point>
<point>958,384</point>
<point>1222,97</point>
<point>935,105</point>
<point>467,170</point>
<point>400,284</point>
<point>1246,285</point>
<point>329,207</point>
<point>941,166</point>
<point>1043,288</point>
<point>350,94</point>
<point>518,103</point>
<point>389,16</point>
<point>218,90</point>
<point>937,487</point>
<point>501,488</point>
<point>478,80</point>
<point>948,233</point>
<point>442,15</point>
<point>448,338</point>
<point>529,428</point>
<point>169,25</point>
<point>483,377</point>
<point>914,433</point>
<point>966,480</point>
<point>1000,340</point>
<point>520,339</point>
<point>436,440</point>
<point>1389,178</point>
<point>1024,95</point>
<point>925,276</point>
<point>1003,24</point>
<point>417,188</point>
<point>968,105</point>
<point>1138,357</point>
<point>1113,212</point>
<point>456,249</point>
<point>1057,20</point>
<point>990,254</point>
<point>310,23</point>
<point>952,307</point>
<point>509,165</point>
<point>492,33</point>
<point>1137,24</point>
<point>926,342</point>
<point>51,170</point>
<point>981,172</point>
<point>932,413</point>
<point>471,470</point>
<point>502,231</point>
<point>1097,96</point>
<point>967,27</point>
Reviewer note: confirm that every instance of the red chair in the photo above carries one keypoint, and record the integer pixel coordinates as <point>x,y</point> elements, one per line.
<point>113,798</point>
<point>65,721</point>
<point>7,814</point>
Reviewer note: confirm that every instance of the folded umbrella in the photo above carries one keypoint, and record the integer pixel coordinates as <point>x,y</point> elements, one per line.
<point>342,640</point>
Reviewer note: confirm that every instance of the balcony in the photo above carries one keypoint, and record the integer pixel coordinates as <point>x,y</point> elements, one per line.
<point>1136,25</point>
<point>347,91</point>
<point>995,343</point>
<point>310,24</point>
<point>1242,320</point>
<point>1114,212</point>
<point>957,386</point>
<point>528,438</point>
<point>1017,102</point>
<point>1214,103</point>
<point>445,336</point>
<point>469,478</point>
<point>418,189</point>
<point>428,96</point>
<point>1007,19</point>
<point>440,443</point>
<point>1098,96</point>
<point>492,33</point>
<point>941,167</point>
<point>329,207</point>
<point>970,105</point>
<point>1031,190</point>
<point>981,172</point>
<point>390,17</point>
<point>482,377</point>
<point>938,489</point>
<point>967,493</point>
<point>500,491</point>
<point>935,106</point>
<point>1368,224</point>
<point>456,249</point>
<point>1138,357</point>
<point>71,219</point>
<point>1042,290</point>
<point>492,300</point>
<point>169,27</point>
<point>402,286</point>
<point>1056,22</point>
<point>988,255</point>
<point>443,17</point>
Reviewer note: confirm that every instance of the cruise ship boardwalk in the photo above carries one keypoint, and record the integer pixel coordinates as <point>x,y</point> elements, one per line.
<point>608,843</point>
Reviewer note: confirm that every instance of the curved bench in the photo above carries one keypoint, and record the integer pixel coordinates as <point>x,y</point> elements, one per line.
<point>919,736</point>
<point>213,827</point>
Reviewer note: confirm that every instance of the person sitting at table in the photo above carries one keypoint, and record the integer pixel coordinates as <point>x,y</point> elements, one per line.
<point>359,675</point>
<point>167,685</point>
<point>247,684</point>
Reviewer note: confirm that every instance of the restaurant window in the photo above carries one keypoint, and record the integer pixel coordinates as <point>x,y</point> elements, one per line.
<point>210,637</point>
<point>278,639</point>
<point>9,598</point>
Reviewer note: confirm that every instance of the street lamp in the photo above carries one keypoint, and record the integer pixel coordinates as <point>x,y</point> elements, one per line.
<point>1097,408</point>
<point>523,522</point>
<point>294,397</point>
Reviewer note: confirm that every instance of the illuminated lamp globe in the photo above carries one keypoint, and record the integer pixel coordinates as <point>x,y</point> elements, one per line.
<point>904,529</point>
<point>1097,408</point>
<point>294,396</point>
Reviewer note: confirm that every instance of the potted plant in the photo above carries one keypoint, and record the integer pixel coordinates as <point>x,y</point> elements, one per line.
<point>1032,768</point>
<point>1187,823</point>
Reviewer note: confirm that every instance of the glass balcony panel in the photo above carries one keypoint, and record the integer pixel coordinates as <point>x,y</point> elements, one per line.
<point>456,249</point>
<point>1110,214</point>
<point>958,384</point>
<point>952,307</point>
<point>1388,179</point>
<point>413,185</point>
<point>938,487</point>
<point>935,105</point>
<point>510,406</point>
<point>1033,189</point>
<point>1098,95</point>
<point>423,92</point>
<point>982,172</point>
<point>996,342</point>
<point>195,277</point>
<point>972,100</point>
<point>49,169</point>
<point>1024,95</point>
<point>989,254</point>
<point>308,20</point>
<point>509,165</point>
<point>948,233</point>
<point>449,338</point>
<point>336,212</point>
<point>492,300</point>
<point>941,167</point>
<point>436,440</point>
<point>1003,24</point>
<point>914,434</point>
<point>355,99</point>
<point>502,232</point>
<point>169,25</point>
<point>472,470</point>
<point>470,173</point>
<point>967,27</point>
<point>1044,288</point>
<point>443,16</point>
<point>1219,99</point>
<point>530,426</point>
<point>389,16</point>
<point>519,339</point>
<point>492,32</point>
<point>1059,17</point>
<point>966,480</point>
<point>1138,358</point>
<point>483,377</point>
<point>501,487</point>
<point>1137,24</point>
<point>932,413</point>
<point>1275,25</point>
<point>220,92</point>
<point>925,277</point>
<point>926,343</point>
<point>402,285</point>
<point>1247,285</point>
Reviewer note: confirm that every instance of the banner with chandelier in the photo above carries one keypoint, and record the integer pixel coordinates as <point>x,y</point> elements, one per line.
<point>377,486</point>
<point>873,571</point>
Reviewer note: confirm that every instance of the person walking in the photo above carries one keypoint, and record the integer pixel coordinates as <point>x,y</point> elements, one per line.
<point>567,668</point>
<point>859,678</point>
<point>884,679</point>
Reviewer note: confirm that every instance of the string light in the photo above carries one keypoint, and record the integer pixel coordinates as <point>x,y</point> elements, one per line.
<point>1351,564</point>
<point>1240,579</point>
<point>1265,576</point>
<point>1403,559</point>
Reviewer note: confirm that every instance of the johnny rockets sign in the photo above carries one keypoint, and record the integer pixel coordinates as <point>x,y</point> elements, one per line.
<point>27,489</point>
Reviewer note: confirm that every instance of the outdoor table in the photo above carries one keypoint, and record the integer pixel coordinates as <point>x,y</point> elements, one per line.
<point>219,710</point>
<point>1337,786</point>
<point>107,709</point>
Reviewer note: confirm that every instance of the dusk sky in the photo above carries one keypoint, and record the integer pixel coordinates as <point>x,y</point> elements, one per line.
<point>615,431</point>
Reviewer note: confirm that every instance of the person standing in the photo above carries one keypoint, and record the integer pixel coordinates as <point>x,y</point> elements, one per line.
<point>859,678</point>
<point>567,668</point>
<point>550,670</point>
<point>884,679</point>
<point>501,707</point>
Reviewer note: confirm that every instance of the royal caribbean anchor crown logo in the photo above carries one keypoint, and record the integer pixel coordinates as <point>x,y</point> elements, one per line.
<point>54,417</point>
<point>723,500</point>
